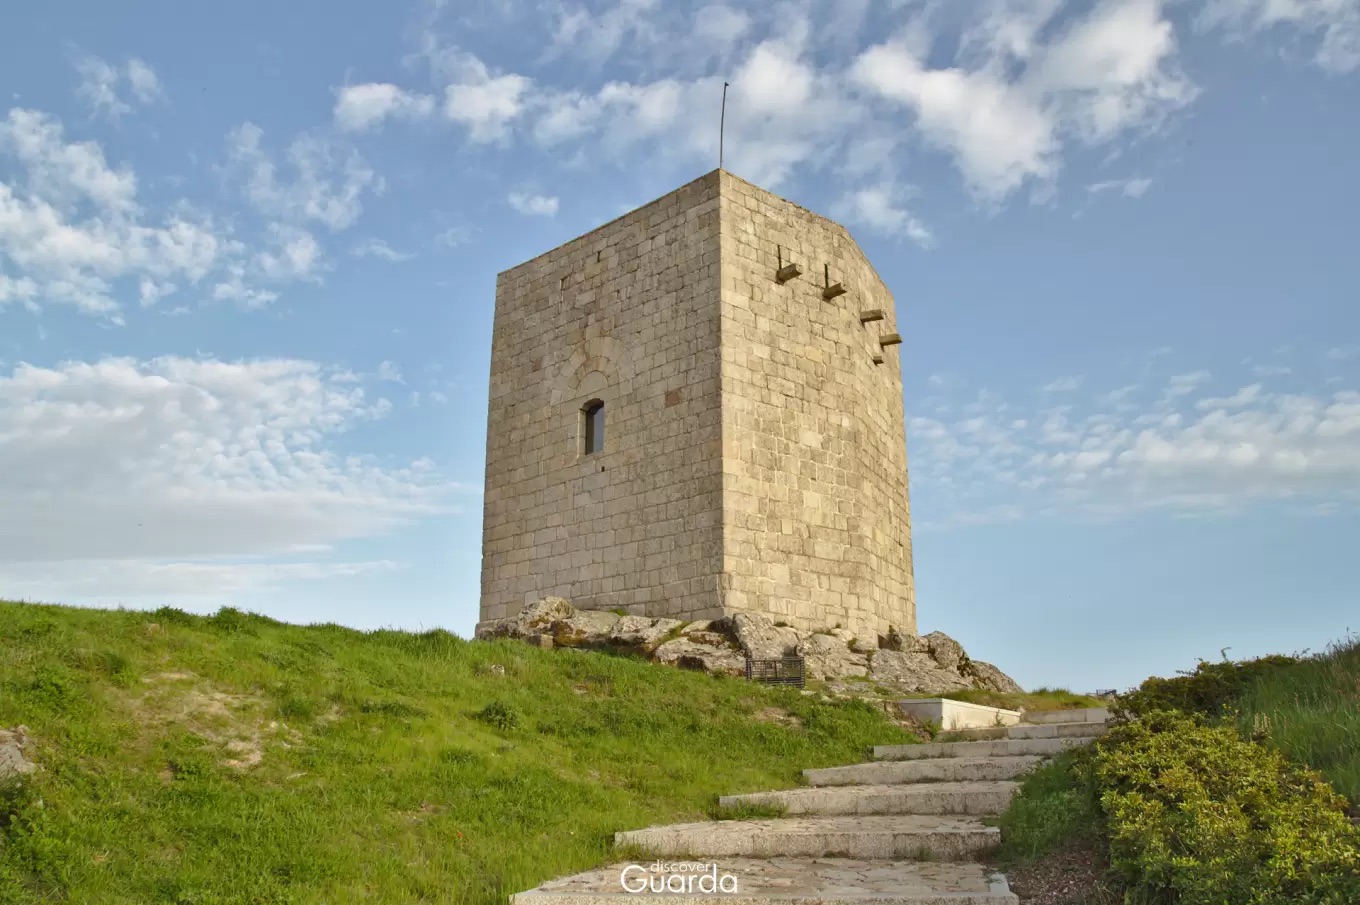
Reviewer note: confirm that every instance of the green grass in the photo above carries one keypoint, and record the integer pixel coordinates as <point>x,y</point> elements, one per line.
<point>1056,803</point>
<point>376,767</point>
<point>1039,699</point>
<point>1310,712</point>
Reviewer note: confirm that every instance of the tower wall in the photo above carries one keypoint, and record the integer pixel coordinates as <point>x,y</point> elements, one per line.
<point>815,507</point>
<point>625,314</point>
<point>755,454</point>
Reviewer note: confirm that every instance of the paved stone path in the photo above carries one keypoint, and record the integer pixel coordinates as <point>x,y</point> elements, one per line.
<point>901,830</point>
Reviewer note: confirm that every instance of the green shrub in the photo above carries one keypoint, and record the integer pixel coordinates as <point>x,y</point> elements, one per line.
<point>500,715</point>
<point>1196,815</point>
<point>1208,690</point>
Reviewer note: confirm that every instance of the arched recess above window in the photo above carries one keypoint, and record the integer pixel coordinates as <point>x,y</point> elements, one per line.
<point>592,427</point>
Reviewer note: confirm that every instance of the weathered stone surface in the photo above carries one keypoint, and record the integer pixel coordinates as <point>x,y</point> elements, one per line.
<point>701,625</point>
<point>715,639</point>
<point>640,631</point>
<point>945,651</point>
<point>585,627</point>
<point>988,677</point>
<point>13,746</point>
<point>761,638</point>
<point>690,654</point>
<point>914,673</point>
<point>825,656</point>
<point>541,614</point>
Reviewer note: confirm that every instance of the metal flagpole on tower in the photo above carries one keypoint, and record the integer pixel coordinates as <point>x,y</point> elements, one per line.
<point>722,126</point>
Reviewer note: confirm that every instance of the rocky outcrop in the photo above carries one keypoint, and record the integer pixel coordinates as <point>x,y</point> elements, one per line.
<point>13,753</point>
<point>987,676</point>
<point>927,665</point>
<point>827,656</point>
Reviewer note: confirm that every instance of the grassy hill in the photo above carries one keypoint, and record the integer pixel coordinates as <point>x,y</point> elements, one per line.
<point>233,758</point>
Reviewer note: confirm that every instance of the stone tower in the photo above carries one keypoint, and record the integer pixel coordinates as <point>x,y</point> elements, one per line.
<point>696,410</point>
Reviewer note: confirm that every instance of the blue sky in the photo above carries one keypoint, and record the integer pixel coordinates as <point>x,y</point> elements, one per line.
<point>248,257</point>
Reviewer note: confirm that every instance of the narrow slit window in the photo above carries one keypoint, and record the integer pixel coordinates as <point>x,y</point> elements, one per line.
<point>592,418</point>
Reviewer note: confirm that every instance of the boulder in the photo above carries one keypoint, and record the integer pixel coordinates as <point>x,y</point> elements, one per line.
<point>914,673</point>
<point>714,639</point>
<point>13,759</point>
<point>585,628</point>
<point>761,639</point>
<point>640,631</point>
<point>688,653</point>
<point>541,614</point>
<point>826,656</point>
<point>701,625</point>
<point>945,651</point>
<point>988,677</point>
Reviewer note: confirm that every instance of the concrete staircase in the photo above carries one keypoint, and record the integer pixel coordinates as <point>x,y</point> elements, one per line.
<point>904,829</point>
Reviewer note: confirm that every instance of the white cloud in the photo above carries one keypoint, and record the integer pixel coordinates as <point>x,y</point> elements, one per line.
<point>1181,452</point>
<point>72,226</point>
<point>199,586</point>
<point>1063,385</point>
<point>66,174</point>
<point>234,288</point>
<point>100,83</point>
<point>377,248</point>
<point>1107,73</point>
<point>389,372</point>
<point>719,26</point>
<point>1336,23</point>
<point>535,205</point>
<point>1184,384</point>
<point>880,208</point>
<point>125,467</point>
<point>452,237</point>
<point>1129,188</point>
<point>597,36</point>
<point>486,104</point>
<point>296,255</point>
<point>362,107</point>
<point>327,182</point>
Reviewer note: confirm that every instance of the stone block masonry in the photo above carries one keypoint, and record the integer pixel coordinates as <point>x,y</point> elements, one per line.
<point>753,456</point>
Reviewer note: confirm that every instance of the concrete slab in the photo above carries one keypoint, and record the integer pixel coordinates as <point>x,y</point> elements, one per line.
<point>1053,730</point>
<point>924,838</point>
<point>1080,715</point>
<point>938,769</point>
<point>949,714</point>
<point>791,881</point>
<point>973,798</point>
<point>1040,747</point>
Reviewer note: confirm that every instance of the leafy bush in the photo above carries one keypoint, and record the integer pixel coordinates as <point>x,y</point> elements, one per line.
<point>500,715</point>
<point>1199,816</point>
<point>1208,690</point>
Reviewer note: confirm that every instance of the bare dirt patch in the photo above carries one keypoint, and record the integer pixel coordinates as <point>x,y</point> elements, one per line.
<point>1072,875</point>
<point>234,721</point>
<point>777,715</point>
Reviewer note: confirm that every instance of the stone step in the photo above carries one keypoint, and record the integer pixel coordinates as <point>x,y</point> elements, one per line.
<point>926,770</point>
<point>783,881</point>
<point>1040,747</point>
<point>925,838</point>
<point>923,798</point>
<point>1054,730</point>
<point>1080,715</point>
